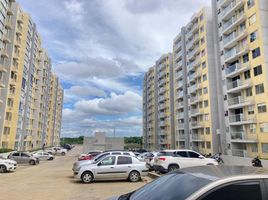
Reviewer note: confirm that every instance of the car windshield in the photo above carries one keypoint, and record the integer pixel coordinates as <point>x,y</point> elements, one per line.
<point>175,186</point>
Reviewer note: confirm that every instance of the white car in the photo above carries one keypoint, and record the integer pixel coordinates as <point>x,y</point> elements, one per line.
<point>7,165</point>
<point>113,167</point>
<point>57,151</point>
<point>42,155</point>
<point>78,164</point>
<point>170,160</point>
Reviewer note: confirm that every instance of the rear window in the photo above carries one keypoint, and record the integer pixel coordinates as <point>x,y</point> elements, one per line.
<point>165,153</point>
<point>174,186</point>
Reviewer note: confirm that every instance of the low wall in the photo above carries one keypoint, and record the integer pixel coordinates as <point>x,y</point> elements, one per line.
<point>235,160</point>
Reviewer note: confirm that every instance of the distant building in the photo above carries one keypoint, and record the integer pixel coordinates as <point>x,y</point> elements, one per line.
<point>102,143</point>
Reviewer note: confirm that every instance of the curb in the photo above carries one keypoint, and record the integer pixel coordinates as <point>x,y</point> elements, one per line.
<point>153,175</point>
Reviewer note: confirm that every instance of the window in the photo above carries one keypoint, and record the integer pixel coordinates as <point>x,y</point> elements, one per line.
<point>204,77</point>
<point>261,108</point>
<point>249,92</point>
<point>246,191</point>
<point>250,110</point>
<point>203,145</point>
<point>6,130</point>
<point>203,53</point>
<point>15,154</point>
<point>252,19</point>
<point>264,127</point>
<point>264,147</point>
<point>256,52</point>
<point>126,154</point>
<point>205,90</point>
<point>201,29</point>
<point>202,40</point>
<point>253,36</point>
<point>247,74</point>
<point>259,88</point>
<point>201,17</point>
<point>206,103</point>
<point>206,117</point>
<point>25,155</point>
<point>252,128</point>
<point>108,161</point>
<point>193,154</point>
<point>204,65</point>
<point>245,58</point>
<point>123,160</point>
<point>254,148</point>
<point>207,130</point>
<point>181,154</point>
<point>250,3</point>
<point>208,144</point>
<point>257,70</point>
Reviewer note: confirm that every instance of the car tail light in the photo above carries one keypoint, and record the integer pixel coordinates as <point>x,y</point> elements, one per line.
<point>162,158</point>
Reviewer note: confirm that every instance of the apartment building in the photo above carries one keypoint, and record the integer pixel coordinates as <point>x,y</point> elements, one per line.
<point>26,92</point>
<point>158,120</point>
<point>242,31</point>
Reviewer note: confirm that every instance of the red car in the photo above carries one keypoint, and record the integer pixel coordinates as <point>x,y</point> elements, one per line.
<point>89,156</point>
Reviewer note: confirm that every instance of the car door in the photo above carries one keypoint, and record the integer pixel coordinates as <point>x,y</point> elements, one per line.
<point>123,166</point>
<point>244,190</point>
<point>105,169</point>
<point>16,157</point>
<point>25,158</point>
<point>195,159</point>
<point>182,159</point>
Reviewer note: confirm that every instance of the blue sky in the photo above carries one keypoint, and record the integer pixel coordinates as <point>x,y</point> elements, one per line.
<point>100,50</point>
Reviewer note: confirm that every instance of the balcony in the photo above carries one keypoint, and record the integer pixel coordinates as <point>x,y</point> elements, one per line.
<point>162,132</point>
<point>234,53</point>
<point>181,136</point>
<point>177,46</point>
<point>193,88</point>
<point>191,77</point>
<point>2,68</point>
<point>242,137</point>
<point>196,125</point>
<point>162,123</point>
<point>239,102</point>
<point>161,98</point>
<point>4,53</point>
<point>8,24</point>
<point>163,141</point>
<point>232,39</point>
<point>162,82</point>
<point>162,106</point>
<point>180,126</point>
<point>180,115</point>
<point>193,53</point>
<point>179,84</point>
<point>178,55</point>
<point>228,11</point>
<point>197,138</point>
<point>179,74</point>
<point>240,153</point>
<point>229,26</point>
<point>13,82</point>
<point>162,115</point>
<point>179,94</point>
<point>6,38</point>
<point>178,65</point>
<point>179,105</point>
<point>240,119</point>
<point>162,90</point>
<point>236,69</point>
<point>235,86</point>
<point>196,111</point>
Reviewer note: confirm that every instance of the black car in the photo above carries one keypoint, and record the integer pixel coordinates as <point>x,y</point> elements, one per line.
<point>67,146</point>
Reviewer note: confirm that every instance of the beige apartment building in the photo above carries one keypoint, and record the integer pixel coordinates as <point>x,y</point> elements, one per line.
<point>158,121</point>
<point>243,45</point>
<point>25,85</point>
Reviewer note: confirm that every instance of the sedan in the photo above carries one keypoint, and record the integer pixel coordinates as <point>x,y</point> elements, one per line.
<point>206,183</point>
<point>113,167</point>
<point>43,155</point>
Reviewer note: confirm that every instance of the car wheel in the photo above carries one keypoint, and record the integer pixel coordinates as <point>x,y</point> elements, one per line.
<point>63,153</point>
<point>87,177</point>
<point>134,176</point>
<point>3,169</point>
<point>32,162</point>
<point>173,168</point>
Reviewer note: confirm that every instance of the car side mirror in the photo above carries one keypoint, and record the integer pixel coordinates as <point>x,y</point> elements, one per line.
<point>99,164</point>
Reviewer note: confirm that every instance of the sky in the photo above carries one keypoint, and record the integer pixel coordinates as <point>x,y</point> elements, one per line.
<point>100,49</point>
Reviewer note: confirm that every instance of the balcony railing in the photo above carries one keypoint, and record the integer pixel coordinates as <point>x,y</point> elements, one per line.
<point>180,115</point>
<point>232,21</point>
<point>237,83</point>
<point>192,77</point>
<point>230,7</point>
<point>240,118</point>
<point>236,100</point>
<point>234,51</point>
<point>234,67</point>
<point>192,88</point>
<point>180,126</point>
<point>180,93</point>
<point>240,152</point>
<point>233,36</point>
<point>179,74</point>
<point>243,136</point>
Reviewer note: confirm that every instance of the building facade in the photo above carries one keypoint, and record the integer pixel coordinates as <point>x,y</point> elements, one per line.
<point>25,93</point>
<point>242,33</point>
<point>158,105</point>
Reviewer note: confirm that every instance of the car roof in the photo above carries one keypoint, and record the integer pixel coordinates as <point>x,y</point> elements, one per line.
<point>172,150</point>
<point>214,173</point>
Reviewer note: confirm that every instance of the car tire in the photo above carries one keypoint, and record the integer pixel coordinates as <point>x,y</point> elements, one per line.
<point>87,177</point>
<point>32,162</point>
<point>3,169</point>
<point>173,168</point>
<point>63,153</point>
<point>134,176</point>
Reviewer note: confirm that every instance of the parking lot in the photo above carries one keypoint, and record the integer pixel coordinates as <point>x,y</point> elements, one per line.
<point>54,180</point>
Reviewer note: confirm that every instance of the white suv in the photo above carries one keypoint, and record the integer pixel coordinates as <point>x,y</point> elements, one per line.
<point>7,165</point>
<point>169,160</point>
<point>57,151</point>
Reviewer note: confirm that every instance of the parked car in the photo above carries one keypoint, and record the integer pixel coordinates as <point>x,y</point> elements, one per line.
<point>7,165</point>
<point>206,183</point>
<point>67,146</point>
<point>90,155</point>
<point>113,167</point>
<point>78,164</point>
<point>169,160</point>
<point>57,151</point>
<point>23,157</point>
<point>42,155</point>
<point>148,157</point>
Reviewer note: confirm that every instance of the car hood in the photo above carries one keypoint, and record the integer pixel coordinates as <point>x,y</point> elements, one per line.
<point>8,161</point>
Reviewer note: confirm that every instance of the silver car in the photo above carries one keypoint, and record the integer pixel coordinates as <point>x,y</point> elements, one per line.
<point>78,164</point>
<point>23,157</point>
<point>113,167</point>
